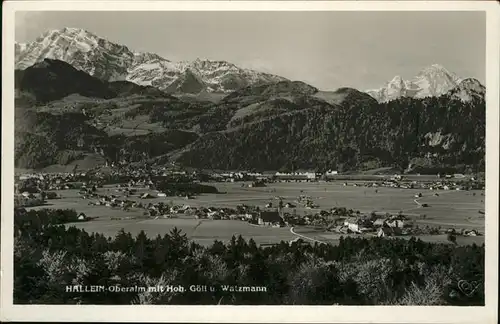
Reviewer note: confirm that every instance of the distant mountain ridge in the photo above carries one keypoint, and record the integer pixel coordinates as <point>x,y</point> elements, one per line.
<point>109,61</point>
<point>50,80</point>
<point>281,125</point>
<point>432,81</point>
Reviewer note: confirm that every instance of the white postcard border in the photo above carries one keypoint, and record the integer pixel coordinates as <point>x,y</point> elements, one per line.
<point>254,314</point>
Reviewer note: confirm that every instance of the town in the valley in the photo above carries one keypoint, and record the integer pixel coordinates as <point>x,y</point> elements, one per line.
<point>270,207</point>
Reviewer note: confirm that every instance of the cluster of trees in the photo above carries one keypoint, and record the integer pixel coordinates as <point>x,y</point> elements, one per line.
<point>357,272</point>
<point>21,201</point>
<point>44,138</point>
<point>34,220</point>
<point>184,188</point>
<point>264,110</point>
<point>142,147</point>
<point>359,133</point>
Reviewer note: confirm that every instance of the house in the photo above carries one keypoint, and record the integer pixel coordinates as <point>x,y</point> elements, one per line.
<point>257,184</point>
<point>28,195</point>
<point>310,175</point>
<point>340,229</point>
<point>296,176</point>
<point>352,224</point>
<point>379,222</point>
<point>255,174</point>
<point>388,231</point>
<point>269,218</point>
<point>146,196</point>
<point>471,233</point>
<point>384,231</point>
<point>25,177</point>
<point>82,216</point>
<point>331,173</point>
<point>396,223</point>
<point>251,216</point>
<point>213,215</point>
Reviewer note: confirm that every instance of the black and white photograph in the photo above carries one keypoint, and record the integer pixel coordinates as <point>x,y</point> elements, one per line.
<point>205,157</point>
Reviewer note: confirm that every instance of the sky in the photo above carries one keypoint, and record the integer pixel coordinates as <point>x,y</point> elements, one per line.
<point>327,49</point>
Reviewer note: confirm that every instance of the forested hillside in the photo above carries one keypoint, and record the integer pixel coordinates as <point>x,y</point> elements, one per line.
<point>280,126</point>
<point>359,133</point>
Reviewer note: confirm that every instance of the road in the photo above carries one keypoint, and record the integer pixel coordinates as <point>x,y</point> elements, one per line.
<point>305,237</point>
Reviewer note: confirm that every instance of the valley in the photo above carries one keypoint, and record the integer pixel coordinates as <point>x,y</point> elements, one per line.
<point>211,115</point>
<point>451,209</point>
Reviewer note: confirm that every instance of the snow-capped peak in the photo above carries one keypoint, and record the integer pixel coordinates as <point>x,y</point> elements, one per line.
<point>111,62</point>
<point>396,88</point>
<point>433,68</point>
<point>434,80</point>
<point>19,48</point>
<point>437,69</point>
<point>68,31</point>
<point>77,36</point>
<point>396,82</point>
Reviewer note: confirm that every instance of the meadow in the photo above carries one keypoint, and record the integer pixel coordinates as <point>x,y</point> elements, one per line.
<point>451,209</point>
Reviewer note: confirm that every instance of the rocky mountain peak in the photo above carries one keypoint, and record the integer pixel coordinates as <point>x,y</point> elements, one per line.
<point>432,81</point>
<point>468,89</point>
<point>110,61</point>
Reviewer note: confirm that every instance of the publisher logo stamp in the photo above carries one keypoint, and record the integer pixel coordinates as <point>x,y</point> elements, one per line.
<point>468,288</point>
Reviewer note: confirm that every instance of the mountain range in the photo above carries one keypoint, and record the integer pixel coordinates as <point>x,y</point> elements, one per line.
<point>66,114</point>
<point>109,61</point>
<point>432,81</point>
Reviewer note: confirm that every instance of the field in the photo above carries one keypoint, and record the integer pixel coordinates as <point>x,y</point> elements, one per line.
<point>202,231</point>
<point>451,209</point>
